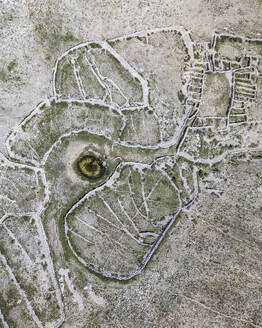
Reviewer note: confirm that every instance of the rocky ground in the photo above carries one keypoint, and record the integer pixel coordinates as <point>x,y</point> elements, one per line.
<point>166,97</point>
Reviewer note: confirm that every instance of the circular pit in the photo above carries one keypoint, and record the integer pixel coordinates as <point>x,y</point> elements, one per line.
<point>91,167</point>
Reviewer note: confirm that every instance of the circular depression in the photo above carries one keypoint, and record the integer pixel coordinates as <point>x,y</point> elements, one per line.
<point>91,167</point>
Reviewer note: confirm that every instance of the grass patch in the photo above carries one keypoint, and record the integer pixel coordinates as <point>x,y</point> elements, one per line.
<point>5,311</point>
<point>50,35</point>
<point>3,75</point>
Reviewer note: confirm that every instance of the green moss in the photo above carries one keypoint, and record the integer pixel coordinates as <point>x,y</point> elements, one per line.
<point>61,228</point>
<point>204,149</point>
<point>94,45</point>
<point>234,159</point>
<point>242,75</point>
<point>59,105</point>
<point>143,39</point>
<point>3,75</point>
<point>217,44</point>
<point>50,35</point>
<point>3,251</point>
<point>91,167</point>
<point>253,145</point>
<point>226,66</point>
<point>195,89</point>
<point>256,42</point>
<point>256,155</point>
<point>5,312</point>
<point>181,96</point>
<point>197,56</point>
<point>246,61</point>
<point>202,174</point>
<point>11,65</point>
<point>224,38</point>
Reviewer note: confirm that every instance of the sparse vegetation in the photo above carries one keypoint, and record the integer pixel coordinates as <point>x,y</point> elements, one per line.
<point>117,221</point>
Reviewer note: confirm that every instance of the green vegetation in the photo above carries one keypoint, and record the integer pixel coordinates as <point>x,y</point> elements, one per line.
<point>223,100</point>
<point>91,167</point>
<point>5,311</point>
<point>226,66</point>
<point>195,89</point>
<point>6,72</point>
<point>181,96</point>
<point>11,65</point>
<point>3,251</point>
<point>143,39</point>
<point>3,75</point>
<point>256,42</point>
<point>202,174</point>
<point>235,66</point>
<point>196,53</point>
<point>246,61</point>
<point>256,155</point>
<point>94,45</point>
<point>51,36</point>
<point>225,38</point>
<point>242,75</point>
<point>236,119</point>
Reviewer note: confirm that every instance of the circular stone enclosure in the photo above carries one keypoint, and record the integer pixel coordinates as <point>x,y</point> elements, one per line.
<point>91,167</point>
